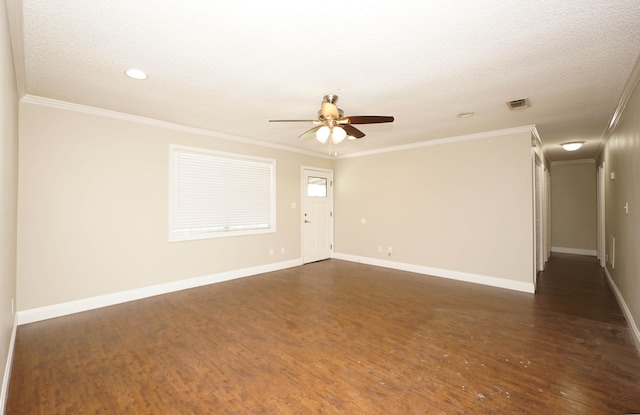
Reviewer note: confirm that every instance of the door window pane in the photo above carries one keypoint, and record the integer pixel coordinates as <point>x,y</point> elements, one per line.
<point>316,186</point>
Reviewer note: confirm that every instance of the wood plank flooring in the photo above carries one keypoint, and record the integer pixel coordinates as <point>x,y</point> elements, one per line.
<point>336,337</point>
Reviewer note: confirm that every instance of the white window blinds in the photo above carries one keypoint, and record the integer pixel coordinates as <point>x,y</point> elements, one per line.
<point>218,194</point>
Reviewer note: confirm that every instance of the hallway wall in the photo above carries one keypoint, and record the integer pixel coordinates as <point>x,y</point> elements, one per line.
<point>573,207</point>
<point>622,157</point>
<point>8,197</point>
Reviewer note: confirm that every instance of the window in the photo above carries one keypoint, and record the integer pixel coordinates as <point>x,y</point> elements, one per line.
<point>316,186</point>
<point>215,194</point>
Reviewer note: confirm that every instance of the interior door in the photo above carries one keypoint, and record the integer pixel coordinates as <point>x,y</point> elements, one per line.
<point>317,214</point>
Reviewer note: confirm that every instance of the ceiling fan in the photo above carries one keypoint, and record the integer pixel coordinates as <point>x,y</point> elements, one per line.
<point>332,123</point>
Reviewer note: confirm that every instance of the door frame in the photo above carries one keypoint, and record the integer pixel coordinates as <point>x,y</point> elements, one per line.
<point>600,212</point>
<point>541,207</point>
<point>303,189</point>
<point>539,214</point>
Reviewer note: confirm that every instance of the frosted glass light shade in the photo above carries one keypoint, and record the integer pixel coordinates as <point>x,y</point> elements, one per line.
<point>572,146</point>
<point>338,135</point>
<point>136,74</point>
<point>322,135</point>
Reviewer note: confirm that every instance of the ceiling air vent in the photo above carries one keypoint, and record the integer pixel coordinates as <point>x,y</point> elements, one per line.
<point>518,104</point>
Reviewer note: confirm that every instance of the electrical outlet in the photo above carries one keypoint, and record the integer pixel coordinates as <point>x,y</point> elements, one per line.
<point>380,249</point>
<point>389,251</point>
<point>282,250</point>
<point>271,251</point>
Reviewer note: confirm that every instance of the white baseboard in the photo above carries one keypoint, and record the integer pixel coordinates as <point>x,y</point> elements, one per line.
<point>85,304</point>
<point>575,251</point>
<point>635,333</point>
<point>4,392</point>
<point>527,287</point>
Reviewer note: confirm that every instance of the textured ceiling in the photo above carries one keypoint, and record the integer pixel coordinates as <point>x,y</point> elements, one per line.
<point>231,66</point>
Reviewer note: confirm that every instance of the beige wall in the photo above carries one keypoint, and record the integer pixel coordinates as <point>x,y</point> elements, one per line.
<point>622,156</point>
<point>8,190</point>
<point>573,207</point>
<point>461,206</point>
<point>93,201</point>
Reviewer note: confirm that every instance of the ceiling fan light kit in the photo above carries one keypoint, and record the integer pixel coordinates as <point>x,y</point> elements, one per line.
<point>338,134</point>
<point>332,123</point>
<point>323,133</point>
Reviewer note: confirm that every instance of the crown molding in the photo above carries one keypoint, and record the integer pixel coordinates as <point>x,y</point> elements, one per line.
<point>68,106</point>
<point>441,141</point>
<point>85,109</point>
<point>627,92</point>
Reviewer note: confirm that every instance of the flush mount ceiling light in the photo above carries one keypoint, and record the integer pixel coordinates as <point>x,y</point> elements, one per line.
<point>572,146</point>
<point>136,74</point>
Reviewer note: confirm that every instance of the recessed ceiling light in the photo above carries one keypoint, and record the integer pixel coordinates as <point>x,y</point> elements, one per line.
<point>465,114</point>
<point>136,74</point>
<point>573,146</point>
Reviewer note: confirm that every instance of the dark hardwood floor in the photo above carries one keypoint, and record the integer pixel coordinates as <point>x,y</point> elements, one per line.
<point>337,337</point>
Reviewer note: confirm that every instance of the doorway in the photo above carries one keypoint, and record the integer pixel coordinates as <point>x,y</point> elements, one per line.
<point>317,214</point>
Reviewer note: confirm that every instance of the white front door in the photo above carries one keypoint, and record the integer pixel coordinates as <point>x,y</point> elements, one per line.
<point>317,214</point>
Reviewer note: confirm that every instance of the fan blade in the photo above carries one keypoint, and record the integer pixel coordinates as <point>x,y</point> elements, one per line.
<point>292,120</point>
<point>369,119</point>
<point>352,131</point>
<point>328,109</point>
<point>309,132</point>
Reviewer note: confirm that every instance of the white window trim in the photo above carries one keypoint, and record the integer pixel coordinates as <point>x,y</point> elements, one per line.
<point>173,237</point>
